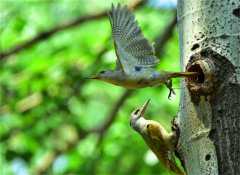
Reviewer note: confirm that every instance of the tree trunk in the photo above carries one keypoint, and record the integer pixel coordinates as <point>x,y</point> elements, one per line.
<point>209,117</point>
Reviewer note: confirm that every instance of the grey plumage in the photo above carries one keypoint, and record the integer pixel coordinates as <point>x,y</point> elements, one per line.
<point>135,55</point>
<point>130,45</point>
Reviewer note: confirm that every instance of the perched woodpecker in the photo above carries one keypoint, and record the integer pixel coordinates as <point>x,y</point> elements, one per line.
<point>161,142</point>
<point>135,55</point>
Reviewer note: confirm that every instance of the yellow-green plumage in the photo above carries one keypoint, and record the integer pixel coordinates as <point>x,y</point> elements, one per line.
<point>161,142</point>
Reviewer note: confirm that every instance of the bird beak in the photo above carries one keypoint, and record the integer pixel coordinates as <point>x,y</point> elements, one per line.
<point>95,77</point>
<point>144,108</point>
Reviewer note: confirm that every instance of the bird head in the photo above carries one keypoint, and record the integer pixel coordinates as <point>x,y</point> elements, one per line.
<point>137,121</point>
<point>104,75</point>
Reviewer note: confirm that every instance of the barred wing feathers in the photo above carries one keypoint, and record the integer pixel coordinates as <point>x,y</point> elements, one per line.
<point>132,49</point>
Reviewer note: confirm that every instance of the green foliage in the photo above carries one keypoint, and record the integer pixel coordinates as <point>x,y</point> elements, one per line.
<point>46,105</point>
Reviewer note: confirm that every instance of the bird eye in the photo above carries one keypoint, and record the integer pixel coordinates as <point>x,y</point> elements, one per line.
<point>137,68</point>
<point>102,72</point>
<point>136,111</point>
<point>148,125</point>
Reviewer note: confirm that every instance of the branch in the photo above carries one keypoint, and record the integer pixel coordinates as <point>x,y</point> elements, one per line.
<point>49,33</point>
<point>23,105</point>
<point>102,130</point>
<point>50,156</point>
<point>113,113</point>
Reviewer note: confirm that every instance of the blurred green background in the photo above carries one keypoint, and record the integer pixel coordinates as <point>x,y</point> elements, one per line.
<point>52,120</point>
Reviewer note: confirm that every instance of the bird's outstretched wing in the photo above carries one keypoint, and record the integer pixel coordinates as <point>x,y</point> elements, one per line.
<point>132,49</point>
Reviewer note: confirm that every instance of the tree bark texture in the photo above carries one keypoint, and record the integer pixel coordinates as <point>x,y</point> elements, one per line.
<point>209,117</point>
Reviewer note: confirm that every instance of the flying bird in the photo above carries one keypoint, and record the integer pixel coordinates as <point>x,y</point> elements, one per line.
<point>136,60</point>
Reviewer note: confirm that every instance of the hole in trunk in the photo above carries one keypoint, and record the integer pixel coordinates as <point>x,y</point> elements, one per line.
<point>195,46</point>
<point>236,12</point>
<point>198,78</point>
<point>207,157</point>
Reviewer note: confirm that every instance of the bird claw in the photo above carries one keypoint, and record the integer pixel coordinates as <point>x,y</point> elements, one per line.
<point>175,127</point>
<point>169,86</point>
<point>171,91</point>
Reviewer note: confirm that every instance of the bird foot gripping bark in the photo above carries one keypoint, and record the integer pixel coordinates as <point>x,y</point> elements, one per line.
<point>175,128</point>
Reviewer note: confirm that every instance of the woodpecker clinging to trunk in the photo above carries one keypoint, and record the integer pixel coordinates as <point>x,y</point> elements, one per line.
<point>135,55</point>
<point>161,142</point>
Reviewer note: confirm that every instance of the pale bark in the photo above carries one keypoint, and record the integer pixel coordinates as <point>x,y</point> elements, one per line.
<point>209,117</point>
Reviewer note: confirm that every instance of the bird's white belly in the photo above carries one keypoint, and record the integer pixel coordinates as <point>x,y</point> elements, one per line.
<point>137,80</point>
<point>133,84</point>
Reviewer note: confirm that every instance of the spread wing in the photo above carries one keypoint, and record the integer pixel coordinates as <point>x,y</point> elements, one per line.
<point>132,49</point>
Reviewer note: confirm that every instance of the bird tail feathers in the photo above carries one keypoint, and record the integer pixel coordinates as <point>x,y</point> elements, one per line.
<point>183,74</point>
<point>174,168</point>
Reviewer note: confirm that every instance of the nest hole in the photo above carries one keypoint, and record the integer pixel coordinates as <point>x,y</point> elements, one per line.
<point>236,12</point>
<point>207,157</point>
<point>199,78</point>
